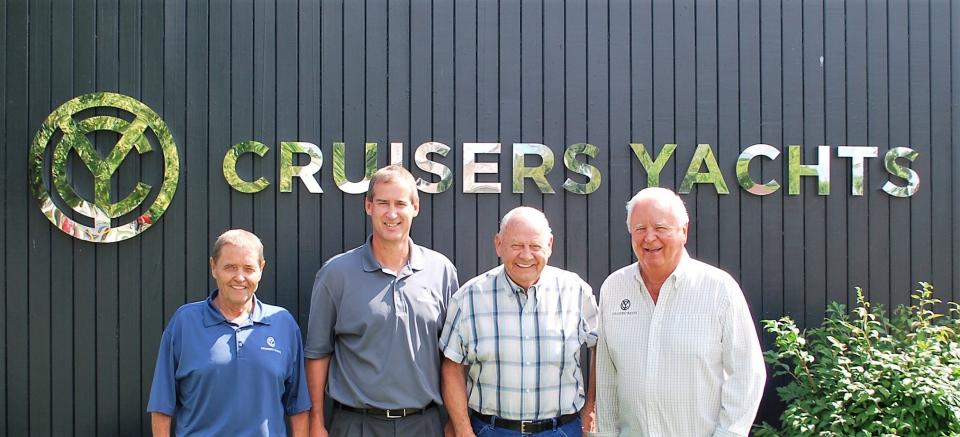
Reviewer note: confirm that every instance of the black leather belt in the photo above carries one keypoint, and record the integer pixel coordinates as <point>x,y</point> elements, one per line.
<point>388,414</point>
<point>526,426</point>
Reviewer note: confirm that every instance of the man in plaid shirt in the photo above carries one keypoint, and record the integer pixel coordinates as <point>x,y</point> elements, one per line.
<point>512,340</point>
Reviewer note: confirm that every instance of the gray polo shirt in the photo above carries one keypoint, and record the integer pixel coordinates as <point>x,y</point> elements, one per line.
<point>381,328</point>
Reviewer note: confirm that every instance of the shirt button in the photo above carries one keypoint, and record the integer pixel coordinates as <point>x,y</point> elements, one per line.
<point>240,343</point>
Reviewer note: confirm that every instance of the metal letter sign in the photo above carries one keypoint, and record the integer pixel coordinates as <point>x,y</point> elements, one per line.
<point>102,210</point>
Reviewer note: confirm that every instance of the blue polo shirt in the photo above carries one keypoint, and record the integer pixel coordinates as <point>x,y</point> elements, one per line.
<point>219,378</point>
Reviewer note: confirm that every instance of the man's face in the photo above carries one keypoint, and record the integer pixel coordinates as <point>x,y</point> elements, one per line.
<point>237,272</point>
<point>391,211</point>
<point>657,236</point>
<point>524,249</point>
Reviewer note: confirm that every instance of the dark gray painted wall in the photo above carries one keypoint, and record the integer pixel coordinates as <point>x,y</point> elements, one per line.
<point>82,321</point>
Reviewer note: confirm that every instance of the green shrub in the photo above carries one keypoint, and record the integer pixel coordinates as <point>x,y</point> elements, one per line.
<point>866,374</point>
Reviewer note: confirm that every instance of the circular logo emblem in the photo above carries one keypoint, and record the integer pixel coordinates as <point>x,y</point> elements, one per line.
<point>625,304</point>
<point>102,210</point>
<point>271,342</point>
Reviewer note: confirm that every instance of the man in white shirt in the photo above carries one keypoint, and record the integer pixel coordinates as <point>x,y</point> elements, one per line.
<point>678,353</point>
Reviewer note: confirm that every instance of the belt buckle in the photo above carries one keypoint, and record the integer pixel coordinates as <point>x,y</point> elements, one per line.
<point>391,416</point>
<point>523,426</point>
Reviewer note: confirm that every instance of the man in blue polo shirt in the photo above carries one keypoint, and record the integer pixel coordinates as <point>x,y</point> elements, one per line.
<point>231,365</point>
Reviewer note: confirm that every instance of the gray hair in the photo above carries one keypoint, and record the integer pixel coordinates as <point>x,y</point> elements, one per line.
<point>240,238</point>
<point>662,194</point>
<point>525,211</point>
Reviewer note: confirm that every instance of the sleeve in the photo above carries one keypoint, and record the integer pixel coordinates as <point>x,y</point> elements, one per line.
<point>322,319</point>
<point>588,316</point>
<point>742,363</point>
<point>296,396</point>
<point>163,391</point>
<point>452,343</point>
<point>450,286</point>
<point>607,409</point>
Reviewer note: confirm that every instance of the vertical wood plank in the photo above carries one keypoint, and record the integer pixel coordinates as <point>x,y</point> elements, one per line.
<point>813,135</point>
<point>942,263</point>
<point>488,129</point>
<point>15,209</point>
<point>921,212</point>
<point>553,74</point>
<point>420,114</point>
<point>728,131</point>
<point>835,125</point>
<point>900,134</point>
<point>265,121</point>
<point>355,41</point>
<point>131,405</point>
<point>285,263</point>
<point>597,211</point>
<point>509,122</point>
<point>442,128</point>
<point>3,215</point>
<point>38,281</point>
<point>856,230</point>
<point>308,245</point>
<point>61,244</point>
<point>466,108</point>
<point>575,129</point>
<point>618,180</point>
<point>706,131</point>
<point>878,221</point>
<point>200,156</point>
<point>751,219</point>
<point>332,202</point>
<point>794,275</point>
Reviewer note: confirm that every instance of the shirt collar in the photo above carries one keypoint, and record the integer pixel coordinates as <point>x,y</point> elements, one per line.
<point>682,269</point>
<point>213,316</point>
<point>370,264</point>
<point>516,288</point>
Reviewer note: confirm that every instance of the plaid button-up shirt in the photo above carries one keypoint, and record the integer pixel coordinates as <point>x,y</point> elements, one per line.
<point>522,347</point>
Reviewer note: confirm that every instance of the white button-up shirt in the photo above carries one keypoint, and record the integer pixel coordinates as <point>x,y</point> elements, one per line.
<point>689,365</point>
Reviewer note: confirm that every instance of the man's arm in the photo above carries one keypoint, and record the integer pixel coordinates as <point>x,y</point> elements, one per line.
<point>300,424</point>
<point>317,383</point>
<point>160,424</point>
<point>604,380</point>
<point>743,363</point>
<point>588,415</point>
<point>455,396</point>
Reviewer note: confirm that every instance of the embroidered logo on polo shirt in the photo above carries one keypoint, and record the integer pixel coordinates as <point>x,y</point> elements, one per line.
<point>271,346</point>
<point>624,309</point>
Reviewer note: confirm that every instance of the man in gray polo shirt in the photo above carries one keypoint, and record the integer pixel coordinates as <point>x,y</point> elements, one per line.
<point>375,321</point>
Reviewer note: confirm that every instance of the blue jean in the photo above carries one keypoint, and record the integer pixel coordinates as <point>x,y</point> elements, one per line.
<point>484,429</point>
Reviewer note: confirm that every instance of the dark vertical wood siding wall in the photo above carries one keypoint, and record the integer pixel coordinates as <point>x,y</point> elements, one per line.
<point>82,321</point>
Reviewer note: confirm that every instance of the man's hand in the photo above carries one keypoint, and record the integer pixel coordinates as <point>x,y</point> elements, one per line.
<point>589,418</point>
<point>317,430</point>
<point>454,388</point>
<point>317,382</point>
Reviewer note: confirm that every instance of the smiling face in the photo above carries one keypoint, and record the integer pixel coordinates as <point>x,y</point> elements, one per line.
<point>237,270</point>
<point>657,236</point>
<point>524,246</point>
<point>391,208</point>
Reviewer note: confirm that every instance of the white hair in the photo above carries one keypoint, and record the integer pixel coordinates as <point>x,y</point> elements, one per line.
<point>534,214</point>
<point>661,194</point>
